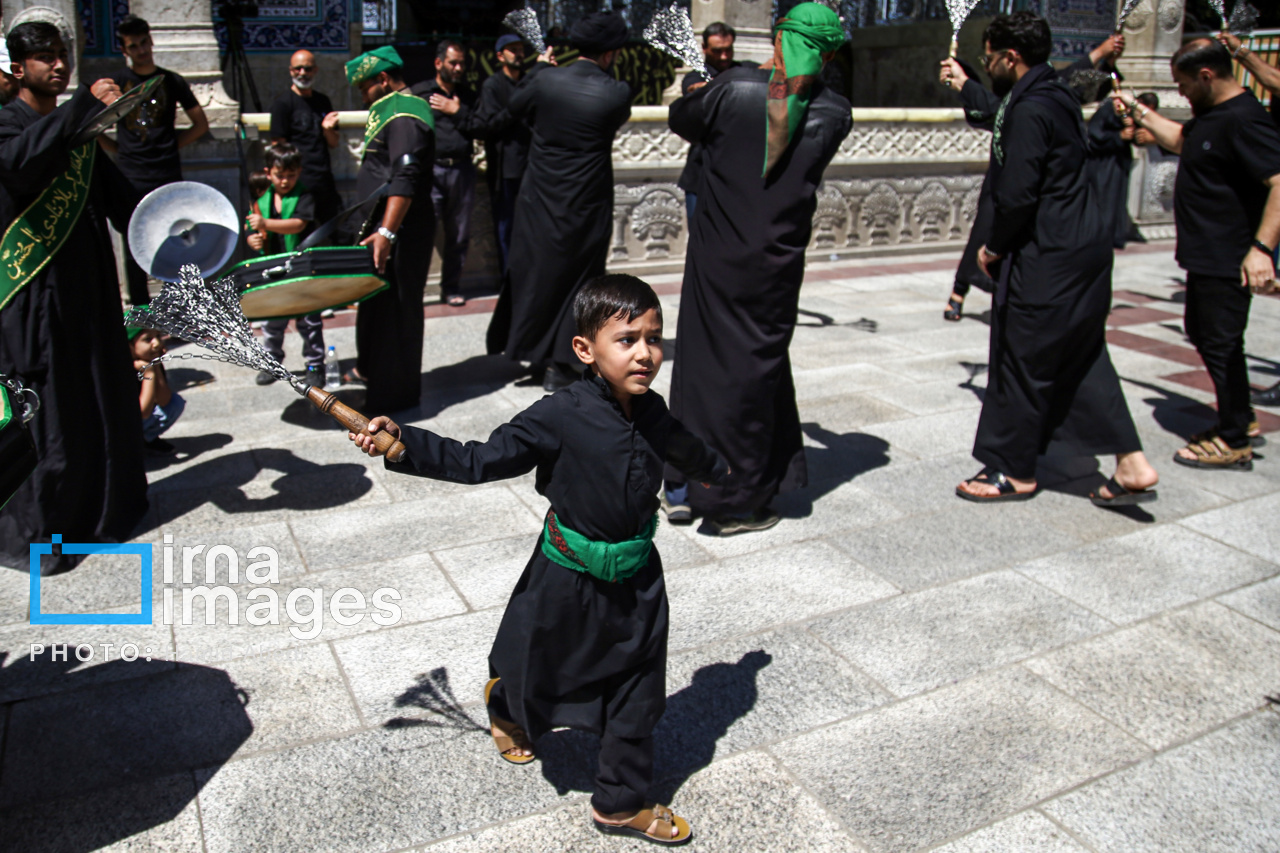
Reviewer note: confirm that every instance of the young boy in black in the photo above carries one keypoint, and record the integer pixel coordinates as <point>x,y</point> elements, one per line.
<point>583,642</point>
<point>280,218</point>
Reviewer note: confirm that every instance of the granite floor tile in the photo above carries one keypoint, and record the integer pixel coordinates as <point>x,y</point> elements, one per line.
<point>15,596</point>
<point>924,640</point>
<point>486,572</point>
<point>427,671</point>
<point>751,592</point>
<point>916,773</point>
<point>381,790</point>
<point>158,815</point>
<point>743,804</point>
<point>57,669</point>
<point>424,594</point>
<point>842,379</point>
<point>1130,577</point>
<point>1172,677</point>
<point>411,527</point>
<point>114,734</point>
<point>959,542</point>
<point>1028,832</point>
<point>1214,795</point>
<point>739,694</point>
<point>1238,526</point>
<point>1260,601</point>
<point>934,397</point>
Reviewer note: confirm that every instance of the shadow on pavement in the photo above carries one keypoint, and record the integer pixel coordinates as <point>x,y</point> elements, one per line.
<point>840,459</point>
<point>188,448</point>
<point>433,693</point>
<point>118,752</point>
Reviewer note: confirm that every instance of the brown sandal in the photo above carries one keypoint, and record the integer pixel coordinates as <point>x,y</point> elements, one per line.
<point>512,737</point>
<point>655,817</point>
<point>1216,454</point>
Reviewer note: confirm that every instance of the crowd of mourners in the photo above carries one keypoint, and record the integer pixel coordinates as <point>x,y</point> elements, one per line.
<point>608,451</point>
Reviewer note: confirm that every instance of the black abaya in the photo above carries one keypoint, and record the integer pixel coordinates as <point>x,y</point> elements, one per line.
<point>745,264</point>
<point>389,326</point>
<point>63,335</point>
<point>573,650</point>
<point>1052,381</point>
<point>564,212</point>
<point>980,105</point>
<point>1110,162</point>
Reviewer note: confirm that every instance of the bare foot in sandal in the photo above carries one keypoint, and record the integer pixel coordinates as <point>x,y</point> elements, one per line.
<point>512,742</point>
<point>989,488</point>
<point>1134,474</point>
<point>657,823</point>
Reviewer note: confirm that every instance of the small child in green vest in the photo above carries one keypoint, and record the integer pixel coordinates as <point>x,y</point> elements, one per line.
<point>583,642</point>
<point>279,220</point>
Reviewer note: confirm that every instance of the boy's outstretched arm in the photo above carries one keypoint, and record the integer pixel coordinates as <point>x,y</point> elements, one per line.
<point>512,449</point>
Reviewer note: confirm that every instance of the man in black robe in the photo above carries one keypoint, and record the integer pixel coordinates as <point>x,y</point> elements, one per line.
<point>1051,378</point>
<point>399,147</point>
<point>717,53</point>
<point>732,382</point>
<point>506,140</point>
<point>980,106</point>
<point>60,327</point>
<point>564,213</point>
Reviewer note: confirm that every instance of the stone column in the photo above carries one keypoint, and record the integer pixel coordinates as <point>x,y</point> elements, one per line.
<point>749,18</point>
<point>184,42</point>
<point>16,12</point>
<point>1152,33</point>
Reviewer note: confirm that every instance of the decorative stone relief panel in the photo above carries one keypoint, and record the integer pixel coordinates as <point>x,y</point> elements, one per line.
<point>899,142</point>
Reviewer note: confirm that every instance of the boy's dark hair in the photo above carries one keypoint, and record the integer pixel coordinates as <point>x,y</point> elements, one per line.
<point>31,37</point>
<point>1022,31</point>
<point>442,49</point>
<point>719,28</point>
<point>131,25</point>
<point>1202,53</point>
<point>609,296</point>
<point>259,183</point>
<point>1150,100</point>
<point>282,154</point>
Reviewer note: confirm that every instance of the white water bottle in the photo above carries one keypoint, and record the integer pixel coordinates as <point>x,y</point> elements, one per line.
<point>332,377</point>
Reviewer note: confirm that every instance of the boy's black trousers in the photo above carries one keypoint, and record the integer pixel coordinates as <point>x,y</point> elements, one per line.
<point>624,772</point>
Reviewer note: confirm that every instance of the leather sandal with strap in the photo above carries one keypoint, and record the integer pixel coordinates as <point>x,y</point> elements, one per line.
<point>1216,454</point>
<point>1256,438</point>
<point>512,737</point>
<point>955,309</point>
<point>654,824</point>
<point>1005,490</point>
<point>1120,496</point>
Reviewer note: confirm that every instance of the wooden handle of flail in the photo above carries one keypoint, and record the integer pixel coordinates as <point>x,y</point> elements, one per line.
<point>355,422</point>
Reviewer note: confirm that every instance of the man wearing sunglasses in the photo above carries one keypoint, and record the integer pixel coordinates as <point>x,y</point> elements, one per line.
<point>1052,387</point>
<point>305,118</point>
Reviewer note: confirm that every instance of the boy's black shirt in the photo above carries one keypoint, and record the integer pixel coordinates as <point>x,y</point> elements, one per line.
<point>298,120</point>
<point>148,154</point>
<point>601,471</point>
<point>1228,151</point>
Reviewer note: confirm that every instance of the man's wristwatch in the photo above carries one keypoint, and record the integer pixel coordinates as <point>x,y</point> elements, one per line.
<point>388,233</point>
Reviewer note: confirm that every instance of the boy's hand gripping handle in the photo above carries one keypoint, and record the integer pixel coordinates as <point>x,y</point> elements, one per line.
<point>330,405</point>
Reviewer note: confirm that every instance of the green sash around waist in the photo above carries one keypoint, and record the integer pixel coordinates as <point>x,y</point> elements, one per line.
<point>608,561</point>
<point>31,240</point>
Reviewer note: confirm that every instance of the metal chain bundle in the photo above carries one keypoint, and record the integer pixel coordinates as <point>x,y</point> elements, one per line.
<point>525,22</point>
<point>671,31</point>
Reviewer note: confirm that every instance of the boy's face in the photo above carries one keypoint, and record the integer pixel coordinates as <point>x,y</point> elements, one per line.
<point>284,180</point>
<point>46,71</point>
<point>626,353</point>
<point>138,49</point>
<point>148,346</point>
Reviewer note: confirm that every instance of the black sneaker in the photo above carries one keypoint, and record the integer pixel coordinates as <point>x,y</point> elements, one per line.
<point>1269,397</point>
<point>264,378</point>
<point>680,513</point>
<point>727,525</point>
<point>315,376</point>
<point>160,447</point>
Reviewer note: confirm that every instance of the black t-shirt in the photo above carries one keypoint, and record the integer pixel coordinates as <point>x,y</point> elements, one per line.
<point>1228,152</point>
<point>149,148</point>
<point>298,119</point>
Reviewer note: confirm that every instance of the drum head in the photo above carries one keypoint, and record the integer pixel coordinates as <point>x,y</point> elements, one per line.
<point>183,223</point>
<point>118,109</point>
<point>298,297</point>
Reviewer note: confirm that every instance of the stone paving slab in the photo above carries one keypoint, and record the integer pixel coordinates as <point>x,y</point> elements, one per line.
<point>1214,795</point>
<point>1029,832</point>
<point>921,771</point>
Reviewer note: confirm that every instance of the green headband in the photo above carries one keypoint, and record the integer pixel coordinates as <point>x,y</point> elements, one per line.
<point>372,63</point>
<point>808,31</point>
<point>131,330</point>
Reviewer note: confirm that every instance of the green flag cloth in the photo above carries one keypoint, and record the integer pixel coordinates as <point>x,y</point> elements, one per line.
<point>392,106</point>
<point>373,62</point>
<point>800,40</point>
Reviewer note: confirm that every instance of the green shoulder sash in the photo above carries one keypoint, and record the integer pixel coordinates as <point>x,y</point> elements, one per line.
<point>288,204</point>
<point>31,240</point>
<point>394,106</point>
